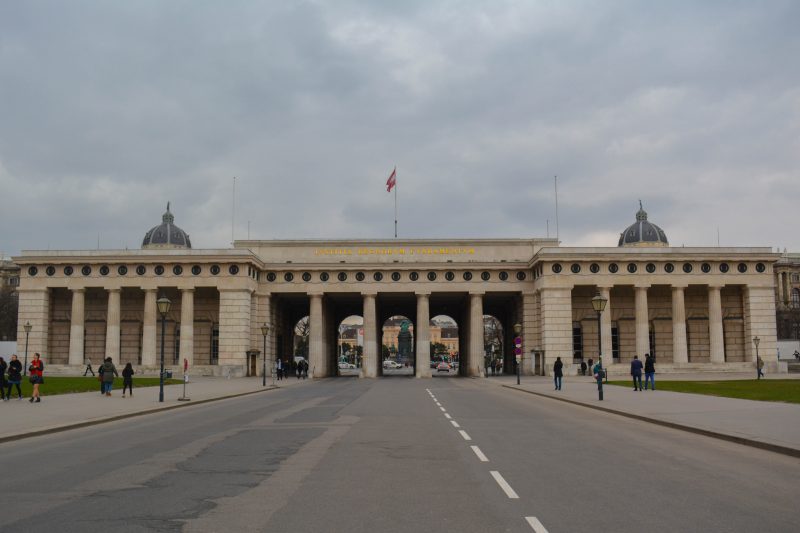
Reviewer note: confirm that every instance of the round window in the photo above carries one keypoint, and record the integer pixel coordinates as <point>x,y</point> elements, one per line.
<point>449,276</point>
<point>613,268</point>
<point>86,270</point>
<point>687,267</point>
<point>705,268</point>
<point>68,270</point>
<point>122,270</point>
<point>233,269</point>
<point>723,267</point>
<point>324,276</point>
<point>485,276</point>
<point>177,270</point>
<point>650,268</point>
<point>32,271</point>
<point>395,276</point>
<point>377,276</point>
<point>431,276</point>
<point>760,267</point>
<point>741,267</point>
<point>215,270</point>
<point>503,276</point>
<point>141,270</point>
<point>196,270</point>
<point>271,276</point>
<point>594,268</point>
<point>521,276</point>
<point>159,270</point>
<point>306,276</point>
<point>414,276</point>
<point>632,268</point>
<point>467,276</point>
<point>360,276</point>
<point>669,268</point>
<point>575,268</point>
<point>51,270</point>
<point>557,268</point>
<point>289,277</point>
<point>104,270</point>
<point>342,276</point>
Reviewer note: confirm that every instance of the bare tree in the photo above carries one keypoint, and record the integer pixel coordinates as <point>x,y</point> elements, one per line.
<point>9,305</point>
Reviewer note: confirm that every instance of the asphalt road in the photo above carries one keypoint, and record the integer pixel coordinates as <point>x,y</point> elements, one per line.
<point>350,455</point>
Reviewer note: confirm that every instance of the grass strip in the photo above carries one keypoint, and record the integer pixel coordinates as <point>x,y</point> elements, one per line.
<point>67,385</point>
<point>772,390</point>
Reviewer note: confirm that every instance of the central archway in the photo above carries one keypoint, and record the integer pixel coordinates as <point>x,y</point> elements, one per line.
<point>398,357</point>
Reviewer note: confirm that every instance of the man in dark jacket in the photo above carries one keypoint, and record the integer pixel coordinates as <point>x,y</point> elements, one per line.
<point>636,372</point>
<point>558,372</point>
<point>649,371</point>
<point>109,371</point>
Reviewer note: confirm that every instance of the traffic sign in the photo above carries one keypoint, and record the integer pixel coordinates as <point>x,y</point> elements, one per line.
<point>518,351</point>
<point>518,341</point>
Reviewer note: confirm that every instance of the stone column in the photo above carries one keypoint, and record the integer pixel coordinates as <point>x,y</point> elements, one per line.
<point>371,358</point>
<point>475,335</point>
<point>680,350</point>
<point>780,289</point>
<point>149,328</point>
<point>34,308</point>
<point>234,330</point>
<point>787,284</point>
<point>316,357</point>
<point>605,327</point>
<point>112,325</point>
<point>422,336</point>
<point>642,323</point>
<point>76,328</point>
<point>716,336</point>
<point>187,326</point>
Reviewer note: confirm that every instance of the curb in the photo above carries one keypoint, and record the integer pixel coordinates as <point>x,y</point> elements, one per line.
<point>87,423</point>
<point>777,448</point>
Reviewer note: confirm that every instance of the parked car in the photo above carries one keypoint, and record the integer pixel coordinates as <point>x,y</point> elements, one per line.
<point>443,367</point>
<point>346,366</point>
<point>391,364</point>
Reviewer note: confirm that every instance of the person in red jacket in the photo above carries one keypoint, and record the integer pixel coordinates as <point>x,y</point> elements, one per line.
<point>36,369</point>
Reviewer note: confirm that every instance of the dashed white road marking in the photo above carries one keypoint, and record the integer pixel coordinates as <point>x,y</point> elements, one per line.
<point>437,403</point>
<point>455,424</point>
<point>443,409</point>
<point>447,416</point>
<point>464,434</point>
<point>480,454</point>
<point>504,485</point>
<point>535,524</point>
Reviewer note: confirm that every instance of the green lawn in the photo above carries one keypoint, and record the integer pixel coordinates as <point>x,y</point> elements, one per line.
<point>773,390</point>
<point>65,385</point>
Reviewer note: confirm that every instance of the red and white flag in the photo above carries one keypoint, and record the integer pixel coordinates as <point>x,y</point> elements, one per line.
<point>392,181</point>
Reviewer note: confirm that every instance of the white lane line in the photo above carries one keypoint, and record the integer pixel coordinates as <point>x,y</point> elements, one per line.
<point>455,424</point>
<point>437,403</point>
<point>443,409</point>
<point>447,416</point>
<point>535,524</point>
<point>464,434</point>
<point>504,485</point>
<point>480,454</point>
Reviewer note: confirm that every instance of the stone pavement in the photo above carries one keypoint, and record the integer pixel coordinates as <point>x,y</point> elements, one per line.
<point>770,425</point>
<point>66,411</point>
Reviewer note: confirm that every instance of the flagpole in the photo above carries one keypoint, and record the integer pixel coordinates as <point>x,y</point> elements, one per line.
<point>395,204</point>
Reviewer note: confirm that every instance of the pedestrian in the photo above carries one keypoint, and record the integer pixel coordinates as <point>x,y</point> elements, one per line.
<point>591,365</point>
<point>279,369</point>
<point>100,379</point>
<point>3,368</point>
<point>583,368</point>
<point>760,368</point>
<point>88,367</point>
<point>127,379</point>
<point>796,355</point>
<point>636,373</point>
<point>598,374</point>
<point>299,370</point>
<point>36,378</point>
<point>109,371</point>
<point>649,371</point>
<point>305,369</point>
<point>558,372</point>
<point>14,377</point>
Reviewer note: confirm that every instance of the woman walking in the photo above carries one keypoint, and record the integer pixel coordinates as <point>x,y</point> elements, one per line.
<point>109,371</point>
<point>558,372</point>
<point>36,369</point>
<point>14,377</point>
<point>127,379</point>
<point>3,368</point>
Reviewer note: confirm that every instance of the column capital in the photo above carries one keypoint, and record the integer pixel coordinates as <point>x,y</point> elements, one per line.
<point>79,289</point>
<point>187,289</point>
<point>604,287</point>
<point>113,289</point>
<point>366,293</point>
<point>641,286</point>
<point>715,286</point>
<point>679,286</point>
<point>422,293</point>
<point>477,293</point>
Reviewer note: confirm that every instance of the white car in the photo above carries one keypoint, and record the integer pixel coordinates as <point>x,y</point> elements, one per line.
<point>346,366</point>
<point>391,364</point>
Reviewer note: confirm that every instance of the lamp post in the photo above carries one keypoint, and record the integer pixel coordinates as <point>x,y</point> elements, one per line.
<point>756,341</point>
<point>518,347</point>
<point>163,305</point>
<point>264,332</point>
<point>599,305</point>
<point>27,327</point>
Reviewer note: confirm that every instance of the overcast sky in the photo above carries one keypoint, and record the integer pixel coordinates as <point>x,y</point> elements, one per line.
<point>110,109</point>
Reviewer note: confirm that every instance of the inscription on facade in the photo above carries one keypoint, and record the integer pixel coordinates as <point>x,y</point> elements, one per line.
<point>396,251</point>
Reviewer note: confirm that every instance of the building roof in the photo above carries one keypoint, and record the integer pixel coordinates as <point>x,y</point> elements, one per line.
<point>642,232</point>
<point>166,234</point>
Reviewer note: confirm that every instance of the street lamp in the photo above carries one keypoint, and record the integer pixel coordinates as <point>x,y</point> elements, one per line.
<point>599,305</point>
<point>264,332</point>
<point>163,305</point>
<point>27,327</point>
<point>756,341</point>
<point>518,347</point>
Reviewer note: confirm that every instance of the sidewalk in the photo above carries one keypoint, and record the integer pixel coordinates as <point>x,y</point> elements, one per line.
<point>68,411</point>
<point>768,425</point>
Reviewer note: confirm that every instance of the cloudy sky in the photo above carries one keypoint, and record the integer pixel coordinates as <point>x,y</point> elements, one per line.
<point>110,109</point>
